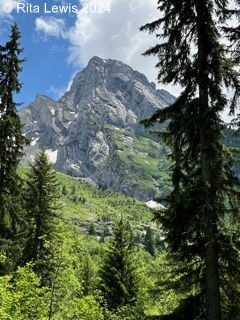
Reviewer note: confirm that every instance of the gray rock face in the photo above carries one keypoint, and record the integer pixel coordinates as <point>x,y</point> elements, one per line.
<point>72,129</point>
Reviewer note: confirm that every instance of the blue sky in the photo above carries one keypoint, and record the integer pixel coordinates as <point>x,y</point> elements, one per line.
<point>46,70</point>
<point>58,45</point>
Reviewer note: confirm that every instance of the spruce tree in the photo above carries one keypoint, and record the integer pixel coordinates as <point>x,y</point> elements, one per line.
<point>118,274</point>
<point>11,144</point>
<point>64,191</point>
<point>149,241</point>
<point>41,207</point>
<point>205,189</point>
<point>233,35</point>
<point>91,230</point>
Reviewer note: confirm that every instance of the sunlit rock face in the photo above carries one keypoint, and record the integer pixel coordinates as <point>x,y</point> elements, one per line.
<point>78,130</point>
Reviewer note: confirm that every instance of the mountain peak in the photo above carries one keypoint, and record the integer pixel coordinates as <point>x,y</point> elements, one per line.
<point>40,97</point>
<point>87,127</point>
<point>97,60</point>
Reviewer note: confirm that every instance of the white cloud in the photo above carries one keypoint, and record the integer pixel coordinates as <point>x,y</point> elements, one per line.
<point>50,26</point>
<point>116,35</point>
<point>112,34</point>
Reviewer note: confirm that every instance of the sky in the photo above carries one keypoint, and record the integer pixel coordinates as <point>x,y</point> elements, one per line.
<point>59,37</point>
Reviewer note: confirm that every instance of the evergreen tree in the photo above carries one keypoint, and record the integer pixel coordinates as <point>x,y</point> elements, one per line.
<point>87,275</point>
<point>92,231</point>
<point>41,206</point>
<point>205,190</point>
<point>233,33</point>
<point>149,241</point>
<point>118,275</point>
<point>73,190</point>
<point>11,145</point>
<point>64,190</point>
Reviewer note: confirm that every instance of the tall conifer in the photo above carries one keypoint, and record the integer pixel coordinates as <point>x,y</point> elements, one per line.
<point>41,207</point>
<point>118,274</point>
<point>149,241</point>
<point>205,190</point>
<point>11,142</point>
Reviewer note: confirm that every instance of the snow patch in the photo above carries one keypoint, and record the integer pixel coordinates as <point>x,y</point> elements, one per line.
<point>154,205</point>
<point>52,155</point>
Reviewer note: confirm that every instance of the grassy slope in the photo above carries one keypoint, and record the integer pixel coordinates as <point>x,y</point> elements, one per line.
<point>140,160</point>
<point>89,201</point>
<point>86,202</point>
<point>143,162</point>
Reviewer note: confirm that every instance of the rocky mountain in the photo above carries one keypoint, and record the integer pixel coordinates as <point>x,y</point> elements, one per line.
<point>92,132</point>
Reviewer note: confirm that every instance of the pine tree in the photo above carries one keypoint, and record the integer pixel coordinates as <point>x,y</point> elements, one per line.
<point>11,145</point>
<point>41,207</point>
<point>205,190</point>
<point>118,275</point>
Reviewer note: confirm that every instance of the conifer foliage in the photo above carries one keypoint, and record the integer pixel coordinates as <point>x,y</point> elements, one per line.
<point>41,206</point>
<point>118,274</point>
<point>205,190</point>
<point>149,241</point>
<point>11,141</point>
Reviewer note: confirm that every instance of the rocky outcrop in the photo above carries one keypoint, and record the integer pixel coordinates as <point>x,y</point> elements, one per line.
<point>107,93</point>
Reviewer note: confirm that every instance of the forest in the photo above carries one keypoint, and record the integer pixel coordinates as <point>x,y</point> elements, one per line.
<point>69,250</point>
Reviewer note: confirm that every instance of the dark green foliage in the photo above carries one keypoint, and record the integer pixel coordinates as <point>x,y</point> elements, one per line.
<point>205,189</point>
<point>11,147</point>
<point>91,230</point>
<point>87,276</point>
<point>188,310</point>
<point>102,239</point>
<point>73,190</point>
<point>138,238</point>
<point>82,200</point>
<point>149,241</point>
<point>106,231</point>
<point>118,275</point>
<point>233,34</point>
<point>41,206</point>
<point>64,191</point>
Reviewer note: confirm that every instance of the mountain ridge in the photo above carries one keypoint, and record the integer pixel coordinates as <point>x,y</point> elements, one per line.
<point>91,132</point>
